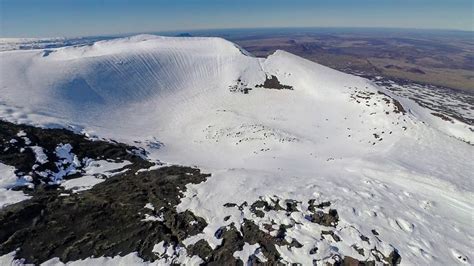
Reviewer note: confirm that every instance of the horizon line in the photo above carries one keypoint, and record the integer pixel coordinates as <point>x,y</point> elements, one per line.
<point>125,34</point>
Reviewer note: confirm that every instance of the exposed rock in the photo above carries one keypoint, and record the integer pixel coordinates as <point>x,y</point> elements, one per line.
<point>350,261</point>
<point>274,83</point>
<point>327,219</point>
<point>445,118</point>
<point>332,234</point>
<point>103,221</point>
<point>397,106</point>
<point>18,155</point>
<point>201,249</point>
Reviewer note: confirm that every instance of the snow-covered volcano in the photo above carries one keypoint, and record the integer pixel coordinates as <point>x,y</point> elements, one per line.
<point>279,126</point>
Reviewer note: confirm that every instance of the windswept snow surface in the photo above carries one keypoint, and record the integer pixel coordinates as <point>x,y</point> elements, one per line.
<point>333,137</point>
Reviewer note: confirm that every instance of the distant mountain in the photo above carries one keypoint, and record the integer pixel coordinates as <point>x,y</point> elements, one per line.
<point>185,34</point>
<point>307,164</point>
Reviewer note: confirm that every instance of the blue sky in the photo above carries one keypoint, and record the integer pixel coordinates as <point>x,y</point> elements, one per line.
<point>42,18</point>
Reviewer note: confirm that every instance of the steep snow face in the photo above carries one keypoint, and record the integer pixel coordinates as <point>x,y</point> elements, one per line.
<point>110,76</point>
<point>380,159</point>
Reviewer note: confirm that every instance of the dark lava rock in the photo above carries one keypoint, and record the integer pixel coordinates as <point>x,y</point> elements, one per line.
<point>312,206</point>
<point>397,106</point>
<point>258,208</point>
<point>274,83</point>
<point>295,243</point>
<point>201,249</point>
<point>327,219</point>
<point>359,250</point>
<point>233,240</point>
<point>394,258</point>
<point>445,118</point>
<point>252,235</point>
<point>332,234</point>
<point>261,206</point>
<point>365,239</point>
<point>291,206</point>
<point>313,251</point>
<point>103,221</point>
<point>350,261</point>
<point>20,156</point>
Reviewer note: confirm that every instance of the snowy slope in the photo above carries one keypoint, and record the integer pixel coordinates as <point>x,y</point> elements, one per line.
<point>333,136</point>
